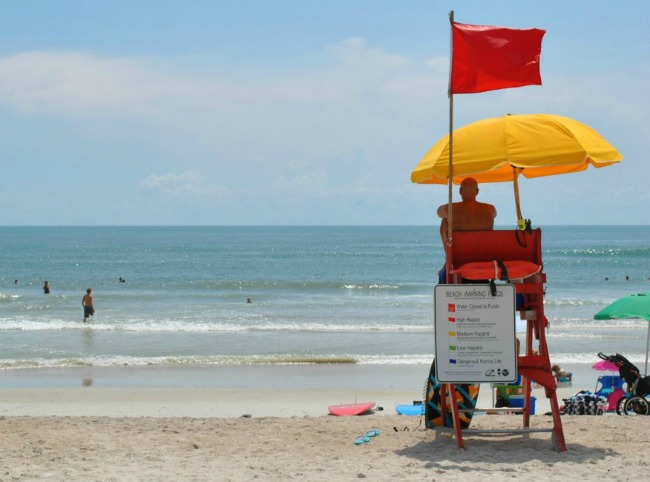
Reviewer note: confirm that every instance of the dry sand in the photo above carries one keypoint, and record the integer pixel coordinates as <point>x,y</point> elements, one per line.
<point>103,434</point>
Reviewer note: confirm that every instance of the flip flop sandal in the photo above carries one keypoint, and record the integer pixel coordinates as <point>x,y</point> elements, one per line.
<point>362,440</point>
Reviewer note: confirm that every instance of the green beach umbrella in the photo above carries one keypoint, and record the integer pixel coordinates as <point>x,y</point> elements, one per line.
<point>633,306</point>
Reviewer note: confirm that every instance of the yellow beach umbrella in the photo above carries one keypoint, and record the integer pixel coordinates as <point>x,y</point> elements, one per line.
<point>499,149</point>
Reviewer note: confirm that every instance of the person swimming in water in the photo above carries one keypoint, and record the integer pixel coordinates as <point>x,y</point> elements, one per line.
<point>560,374</point>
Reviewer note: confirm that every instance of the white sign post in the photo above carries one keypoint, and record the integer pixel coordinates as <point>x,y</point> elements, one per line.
<point>475,338</point>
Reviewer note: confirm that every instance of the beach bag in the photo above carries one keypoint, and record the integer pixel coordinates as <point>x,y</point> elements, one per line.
<point>585,403</point>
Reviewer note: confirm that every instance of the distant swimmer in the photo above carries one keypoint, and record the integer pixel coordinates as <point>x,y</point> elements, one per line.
<point>249,300</point>
<point>122,280</point>
<point>46,288</point>
<point>87,303</point>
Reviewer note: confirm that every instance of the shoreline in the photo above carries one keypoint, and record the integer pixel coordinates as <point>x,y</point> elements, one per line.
<point>215,403</point>
<point>224,391</point>
<point>295,375</point>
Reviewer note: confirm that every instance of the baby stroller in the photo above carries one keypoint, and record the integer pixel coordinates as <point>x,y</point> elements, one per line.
<point>637,399</point>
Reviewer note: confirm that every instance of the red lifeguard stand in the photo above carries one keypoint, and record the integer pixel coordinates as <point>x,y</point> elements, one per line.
<point>472,254</point>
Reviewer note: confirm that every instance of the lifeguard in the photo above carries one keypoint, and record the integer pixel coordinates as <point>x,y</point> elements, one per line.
<point>468,215</point>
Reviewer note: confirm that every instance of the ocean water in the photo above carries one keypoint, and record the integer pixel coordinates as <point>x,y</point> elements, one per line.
<point>318,294</point>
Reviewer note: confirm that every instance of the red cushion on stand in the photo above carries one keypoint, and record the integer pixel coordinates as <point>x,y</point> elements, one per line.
<point>483,270</point>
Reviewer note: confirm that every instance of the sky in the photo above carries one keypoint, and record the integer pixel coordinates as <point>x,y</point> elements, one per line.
<point>287,112</point>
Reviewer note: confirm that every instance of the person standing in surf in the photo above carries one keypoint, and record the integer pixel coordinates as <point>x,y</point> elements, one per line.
<point>87,303</point>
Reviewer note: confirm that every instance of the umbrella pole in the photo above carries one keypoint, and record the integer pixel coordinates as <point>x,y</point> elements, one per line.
<point>515,183</point>
<point>647,346</point>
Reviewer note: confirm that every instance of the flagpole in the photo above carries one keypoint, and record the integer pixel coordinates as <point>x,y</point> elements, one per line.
<point>450,169</point>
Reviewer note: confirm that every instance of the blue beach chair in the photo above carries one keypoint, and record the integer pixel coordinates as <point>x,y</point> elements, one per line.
<point>606,384</point>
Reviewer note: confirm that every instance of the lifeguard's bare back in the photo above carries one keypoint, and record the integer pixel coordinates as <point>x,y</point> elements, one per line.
<point>468,214</point>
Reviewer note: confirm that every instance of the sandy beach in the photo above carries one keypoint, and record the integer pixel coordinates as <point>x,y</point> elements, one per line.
<point>91,433</point>
<point>309,448</point>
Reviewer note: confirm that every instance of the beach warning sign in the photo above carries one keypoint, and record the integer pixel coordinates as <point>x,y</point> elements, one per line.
<point>475,339</point>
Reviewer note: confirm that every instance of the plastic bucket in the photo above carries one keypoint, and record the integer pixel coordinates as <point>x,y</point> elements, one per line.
<point>517,401</point>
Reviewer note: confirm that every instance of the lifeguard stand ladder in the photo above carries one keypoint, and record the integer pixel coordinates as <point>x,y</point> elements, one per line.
<point>518,248</point>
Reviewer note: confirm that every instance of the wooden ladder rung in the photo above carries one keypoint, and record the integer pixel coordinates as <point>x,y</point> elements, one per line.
<point>500,430</point>
<point>493,410</point>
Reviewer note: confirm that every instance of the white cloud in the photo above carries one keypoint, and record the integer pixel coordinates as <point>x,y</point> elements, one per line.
<point>186,184</point>
<point>354,52</point>
<point>64,83</point>
<point>73,82</point>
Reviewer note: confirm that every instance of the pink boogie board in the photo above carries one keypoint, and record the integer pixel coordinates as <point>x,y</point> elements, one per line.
<point>351,409</point>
